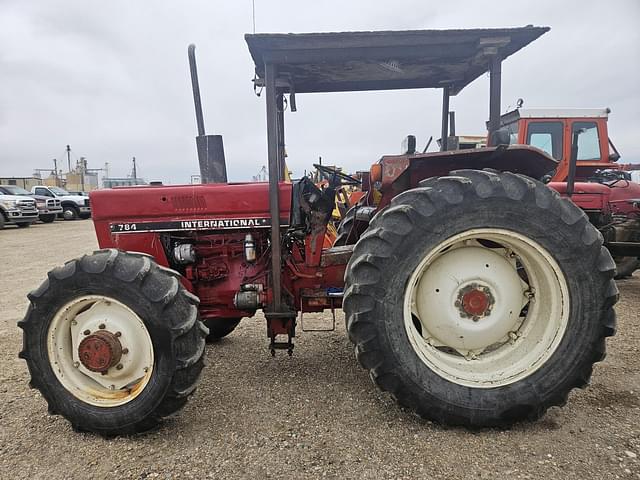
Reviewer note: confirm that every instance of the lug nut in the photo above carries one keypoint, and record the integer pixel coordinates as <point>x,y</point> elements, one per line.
<point>76,364</point>
<point>118,334</point>
<point>102,326</point>
<point>119,366</point>
<point>112,387</point>
<point>87,332</point>
<point>125,351</point>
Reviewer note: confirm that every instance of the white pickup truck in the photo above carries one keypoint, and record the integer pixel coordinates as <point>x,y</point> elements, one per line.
<point>17,210</point>
<point>73,206</point>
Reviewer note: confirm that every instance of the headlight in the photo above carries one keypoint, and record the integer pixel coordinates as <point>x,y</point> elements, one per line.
<point>8,203</point>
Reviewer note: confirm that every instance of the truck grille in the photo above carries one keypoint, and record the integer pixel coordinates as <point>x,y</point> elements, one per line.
<point>27,206</point>
<point>52,203</point>
<point>87,203</point>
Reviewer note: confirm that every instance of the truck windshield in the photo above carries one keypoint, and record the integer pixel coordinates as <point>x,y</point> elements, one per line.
<point>13,190</point>
<point>59,191</point>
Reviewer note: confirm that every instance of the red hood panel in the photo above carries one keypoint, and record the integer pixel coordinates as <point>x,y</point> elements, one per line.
<point>183,202</point>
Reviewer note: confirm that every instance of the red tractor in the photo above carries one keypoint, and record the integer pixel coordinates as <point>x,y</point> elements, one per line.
<point>476,295</point>
<point>600,186</point>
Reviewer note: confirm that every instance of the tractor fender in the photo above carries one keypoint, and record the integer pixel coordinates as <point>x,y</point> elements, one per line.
<point>402,172</point>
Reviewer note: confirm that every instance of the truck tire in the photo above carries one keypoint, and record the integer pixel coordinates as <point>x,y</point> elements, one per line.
<point>49,218</point>
<point>625,266</point>
<point>113,342</point>
<point>220,327</point>
<point>480,299</point>
<point>70,212</point>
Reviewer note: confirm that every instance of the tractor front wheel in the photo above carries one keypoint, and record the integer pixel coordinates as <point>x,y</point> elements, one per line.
<point>480,299</point>
<point>113,342</point>
<point>220,327</point>
<point>625,266</point>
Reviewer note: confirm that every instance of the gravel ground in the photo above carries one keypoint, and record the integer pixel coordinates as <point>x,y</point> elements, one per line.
<point>313,415</point>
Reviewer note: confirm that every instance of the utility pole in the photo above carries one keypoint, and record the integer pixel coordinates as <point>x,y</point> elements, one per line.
<point>135,174</point>
<point>83,166</point>
<point>55,171</point>
<point>68,159</point>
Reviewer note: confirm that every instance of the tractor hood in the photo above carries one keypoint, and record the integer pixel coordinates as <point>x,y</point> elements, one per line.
<point>219,206</point>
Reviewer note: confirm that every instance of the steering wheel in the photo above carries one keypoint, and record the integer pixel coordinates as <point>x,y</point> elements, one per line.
<point>329,173</point>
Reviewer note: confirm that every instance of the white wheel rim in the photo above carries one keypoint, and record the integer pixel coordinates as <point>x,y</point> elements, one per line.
<point>83,317</point>
<point>523,315</point>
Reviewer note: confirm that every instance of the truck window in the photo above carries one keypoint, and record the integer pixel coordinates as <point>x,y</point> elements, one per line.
<point>588,141</point>
<point>43,191</point>
<point>546,136</point>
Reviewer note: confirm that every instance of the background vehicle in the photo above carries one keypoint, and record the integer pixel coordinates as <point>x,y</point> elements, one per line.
<point>477,296</point>
<point>17,210</point>
<point>73,206</point>
<point>600,186</point>
<point>48,208</point>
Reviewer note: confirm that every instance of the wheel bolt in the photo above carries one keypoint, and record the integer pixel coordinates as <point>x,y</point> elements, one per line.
<point>76,364</point>
<point>119,366</point>
<point>73,322</point>
<point>112,387</point>
<point>125,351</point>
<point>87,332</point>
<point>102,326</point>
<point>118,334</point>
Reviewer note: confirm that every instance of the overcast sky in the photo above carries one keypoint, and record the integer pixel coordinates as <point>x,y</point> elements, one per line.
<point>111,79</point>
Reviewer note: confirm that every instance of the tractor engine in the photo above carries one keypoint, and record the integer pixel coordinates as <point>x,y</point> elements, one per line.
<point>227,270</point>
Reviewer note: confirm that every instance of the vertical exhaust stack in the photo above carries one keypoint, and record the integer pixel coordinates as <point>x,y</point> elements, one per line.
<point>213,168</point>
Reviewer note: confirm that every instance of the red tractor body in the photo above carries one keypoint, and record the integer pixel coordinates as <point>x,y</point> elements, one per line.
<point>466,282</point>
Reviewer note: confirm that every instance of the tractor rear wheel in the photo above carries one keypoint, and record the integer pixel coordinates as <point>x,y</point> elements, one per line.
<point>480,299</point>
<point>220,327</point>
<point>113,342</point>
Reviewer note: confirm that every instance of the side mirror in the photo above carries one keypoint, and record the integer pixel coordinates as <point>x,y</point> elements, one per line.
<point>614,157</point>
<point>500,137</point>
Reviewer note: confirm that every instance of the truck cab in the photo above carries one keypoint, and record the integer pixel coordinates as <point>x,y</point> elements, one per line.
<point>73,206</point>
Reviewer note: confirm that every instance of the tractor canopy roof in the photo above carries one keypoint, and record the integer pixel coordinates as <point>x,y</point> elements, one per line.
<point>384,60</point>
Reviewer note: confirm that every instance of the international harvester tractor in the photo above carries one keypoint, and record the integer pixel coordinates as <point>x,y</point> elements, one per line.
<point>476,295</point>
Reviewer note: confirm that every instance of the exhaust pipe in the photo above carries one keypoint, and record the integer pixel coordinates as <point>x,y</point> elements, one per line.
<point>213,168</point>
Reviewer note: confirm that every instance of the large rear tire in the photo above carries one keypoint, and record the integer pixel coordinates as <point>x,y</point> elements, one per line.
<point>480,299</point>
<point>113,342</point>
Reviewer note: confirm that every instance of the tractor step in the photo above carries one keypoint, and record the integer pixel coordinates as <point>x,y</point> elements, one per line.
<point>330,298</point>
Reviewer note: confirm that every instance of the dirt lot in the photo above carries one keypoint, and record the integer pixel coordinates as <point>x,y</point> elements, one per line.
<point>313,415</point>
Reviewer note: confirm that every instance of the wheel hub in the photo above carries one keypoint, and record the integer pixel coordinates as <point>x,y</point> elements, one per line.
<point>100,351</point>
<point>462,287</point>
<point>474,301</point>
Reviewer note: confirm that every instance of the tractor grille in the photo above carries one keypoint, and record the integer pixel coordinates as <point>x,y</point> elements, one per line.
<point>189,202</point>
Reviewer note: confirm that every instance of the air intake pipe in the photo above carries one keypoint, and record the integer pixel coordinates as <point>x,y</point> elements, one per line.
<point>213,168</point>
